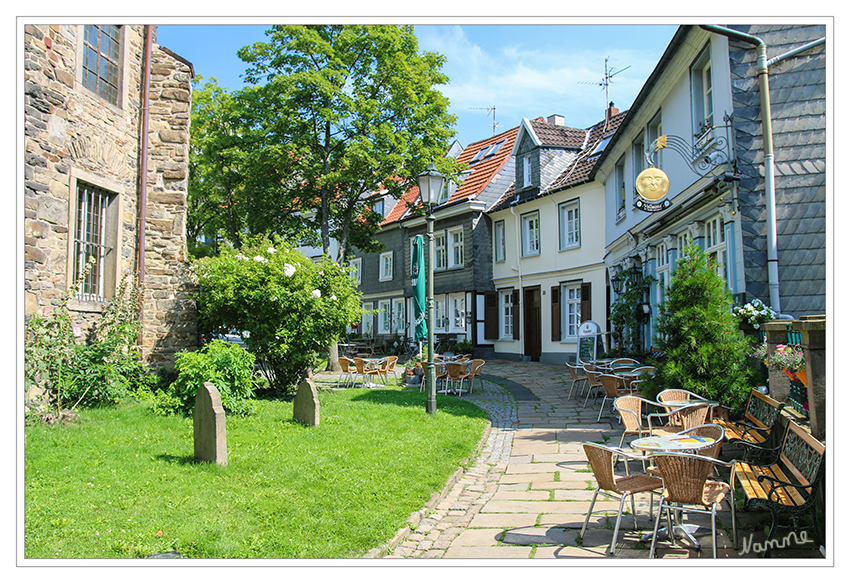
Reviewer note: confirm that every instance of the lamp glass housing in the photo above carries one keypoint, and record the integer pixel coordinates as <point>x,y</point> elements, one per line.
<point>431,185</point>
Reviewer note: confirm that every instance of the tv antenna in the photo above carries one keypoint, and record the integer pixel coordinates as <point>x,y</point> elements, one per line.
<point>606,78</point>
<point>489,109</point>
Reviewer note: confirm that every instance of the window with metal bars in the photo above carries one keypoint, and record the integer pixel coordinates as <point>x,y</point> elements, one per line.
<point>90,241</point>
<point>101,58</point>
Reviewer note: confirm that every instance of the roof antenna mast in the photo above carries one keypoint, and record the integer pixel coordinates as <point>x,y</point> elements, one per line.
<point>606,79</point>
<point>489,109</point>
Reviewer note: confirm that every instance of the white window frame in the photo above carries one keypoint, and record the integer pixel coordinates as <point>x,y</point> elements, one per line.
<point>367,319</point>
<point>398,323</point>
<point>455,249</point>
<point>530,234</point>
<point>662,271</point>
<point>569,219</point>
<point>499,253</point>
<point>385,263</point>
<point>702,91</point>
<point>506,314</point>
<point>653,132</point>
<point>355,270</point>
<point>457,318</point>
<point>526,170</point>
<point>384,317</point>
<point>715,244</point>
<point>620,188</point>
<point>440,256</point>
<point>440,313</point>
<point>570,310</point>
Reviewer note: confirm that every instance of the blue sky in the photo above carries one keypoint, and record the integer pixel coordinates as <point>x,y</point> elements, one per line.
<point>523,70</point>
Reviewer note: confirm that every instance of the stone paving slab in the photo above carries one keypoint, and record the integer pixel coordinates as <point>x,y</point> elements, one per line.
<point>527,494</point>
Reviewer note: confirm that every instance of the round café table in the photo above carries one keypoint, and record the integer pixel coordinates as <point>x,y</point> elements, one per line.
<point>680,443</point>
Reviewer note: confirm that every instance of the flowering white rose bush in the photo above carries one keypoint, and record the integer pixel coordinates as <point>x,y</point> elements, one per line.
<point>292,308</point>
<point>754,313</point>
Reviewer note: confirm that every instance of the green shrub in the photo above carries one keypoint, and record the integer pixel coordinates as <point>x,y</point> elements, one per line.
<point>102,371</point>
<point>292,307</point>
<point>704,351</point>
<point>228,366</point>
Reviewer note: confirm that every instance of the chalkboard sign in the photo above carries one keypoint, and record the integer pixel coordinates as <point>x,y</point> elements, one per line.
<point>587,348</point>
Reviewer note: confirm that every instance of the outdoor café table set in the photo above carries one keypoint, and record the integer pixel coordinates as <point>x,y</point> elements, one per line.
<point>681,469</point>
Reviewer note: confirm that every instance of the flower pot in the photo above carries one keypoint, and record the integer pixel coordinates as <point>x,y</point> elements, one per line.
<point>801,376</point>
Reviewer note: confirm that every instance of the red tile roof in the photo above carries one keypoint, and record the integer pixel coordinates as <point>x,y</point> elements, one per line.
<point>482,173</point>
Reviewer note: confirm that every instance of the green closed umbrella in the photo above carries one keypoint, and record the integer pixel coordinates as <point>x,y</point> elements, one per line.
<point>420,333</point>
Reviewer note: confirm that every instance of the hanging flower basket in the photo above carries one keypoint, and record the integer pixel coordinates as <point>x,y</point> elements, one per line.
<point>799,375</point>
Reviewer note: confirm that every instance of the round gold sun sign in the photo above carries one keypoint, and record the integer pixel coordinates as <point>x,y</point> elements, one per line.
<point>652,184</point>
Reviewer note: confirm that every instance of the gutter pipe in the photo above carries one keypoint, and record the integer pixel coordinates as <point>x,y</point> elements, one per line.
<point>143,172</point>
<point>769,158</point>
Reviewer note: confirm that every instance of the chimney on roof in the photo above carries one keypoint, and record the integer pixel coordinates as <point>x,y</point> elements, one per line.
<point>611,111</point>
<point>555,120</point>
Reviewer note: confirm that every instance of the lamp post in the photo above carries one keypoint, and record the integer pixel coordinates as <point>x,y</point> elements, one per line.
<point>430,188</point>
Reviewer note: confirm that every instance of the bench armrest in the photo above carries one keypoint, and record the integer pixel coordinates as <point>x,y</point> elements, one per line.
<point>775,483</point>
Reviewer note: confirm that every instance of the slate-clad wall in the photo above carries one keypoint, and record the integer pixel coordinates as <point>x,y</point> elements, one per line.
<point>798,106</point>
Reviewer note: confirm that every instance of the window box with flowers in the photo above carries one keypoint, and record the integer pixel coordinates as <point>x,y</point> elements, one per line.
<point>754,313</point>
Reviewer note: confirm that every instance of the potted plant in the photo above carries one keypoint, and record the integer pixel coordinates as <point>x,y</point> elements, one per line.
<point>754,313</point>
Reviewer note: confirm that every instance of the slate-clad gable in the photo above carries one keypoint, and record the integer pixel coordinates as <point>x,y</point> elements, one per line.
<point>798,106</point>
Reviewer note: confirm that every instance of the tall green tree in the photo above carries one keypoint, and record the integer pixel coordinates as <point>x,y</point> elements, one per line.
<point>337,116</point>
<point>704,351</point>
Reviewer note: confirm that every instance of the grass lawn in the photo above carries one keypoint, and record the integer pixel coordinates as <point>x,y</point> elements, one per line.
<point>123,483</point>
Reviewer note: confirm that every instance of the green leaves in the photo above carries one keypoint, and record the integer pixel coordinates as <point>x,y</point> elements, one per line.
<point>291,307</point>
<point>334,113</point>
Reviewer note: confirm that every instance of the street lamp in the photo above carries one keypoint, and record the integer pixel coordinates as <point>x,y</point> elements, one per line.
<point>430,189</point>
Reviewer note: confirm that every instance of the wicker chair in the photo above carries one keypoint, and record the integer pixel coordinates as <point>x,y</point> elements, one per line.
<point>640,370</point>
<point>683,418</point>
<point>631,362</point>
<point>686,481</point>
<point>391,362</point>
<point>346,371</point>
<point>475,373</point>
<point>578,376</point>
<point>457,373</point>
<point>601,460</point>
<point>614,387</point>
<point>631,410</point>
<point>593,382</point>
<point>679,395</point>
<point>360,371</point>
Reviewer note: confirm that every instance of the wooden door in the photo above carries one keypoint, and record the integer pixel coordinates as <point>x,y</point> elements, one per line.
<point>531,322</point>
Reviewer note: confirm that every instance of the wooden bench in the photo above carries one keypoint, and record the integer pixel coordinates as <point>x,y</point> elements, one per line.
<point>760,422</point>
<point>788,485</point>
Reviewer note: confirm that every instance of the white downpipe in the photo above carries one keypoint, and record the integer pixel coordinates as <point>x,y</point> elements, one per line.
<point>769,170</point>
<point>769,158</point>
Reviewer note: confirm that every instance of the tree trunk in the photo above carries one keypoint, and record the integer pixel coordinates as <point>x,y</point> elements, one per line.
<point>333,358</point>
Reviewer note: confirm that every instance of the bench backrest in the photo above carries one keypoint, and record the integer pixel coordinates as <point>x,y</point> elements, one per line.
<point>802,455</point>
<point>762,411</point>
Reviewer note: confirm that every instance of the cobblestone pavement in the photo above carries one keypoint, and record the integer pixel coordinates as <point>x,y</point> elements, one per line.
<point>527,493</point>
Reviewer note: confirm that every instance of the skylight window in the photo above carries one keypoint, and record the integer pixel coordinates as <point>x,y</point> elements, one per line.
<point>496,148</point>
<point>601,146</point>
<point>487,151</point>
<point>480,154</point>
